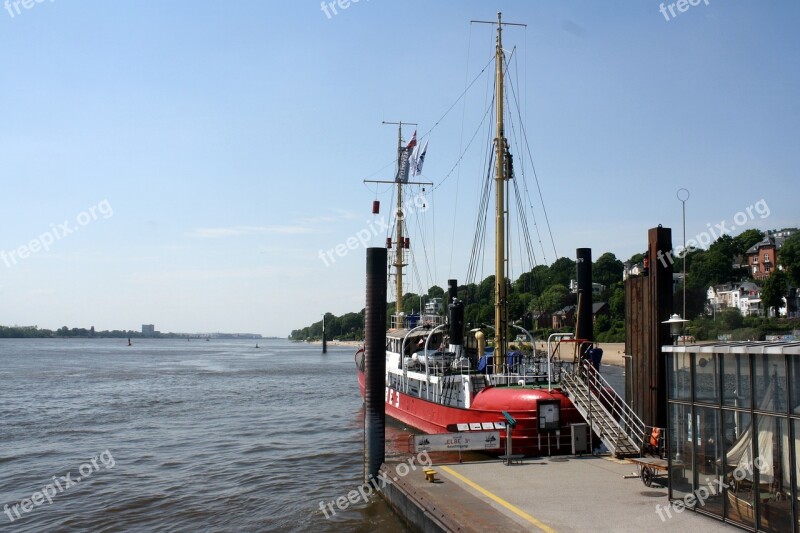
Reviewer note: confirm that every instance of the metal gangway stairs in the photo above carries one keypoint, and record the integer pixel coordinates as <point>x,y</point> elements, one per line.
<point>609,417</point>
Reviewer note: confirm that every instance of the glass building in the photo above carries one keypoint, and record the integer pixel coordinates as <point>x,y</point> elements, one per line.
<point>733,438</point>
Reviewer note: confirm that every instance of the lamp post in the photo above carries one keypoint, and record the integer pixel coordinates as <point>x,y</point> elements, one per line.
<point>683,195</point>
<point>675,326</point>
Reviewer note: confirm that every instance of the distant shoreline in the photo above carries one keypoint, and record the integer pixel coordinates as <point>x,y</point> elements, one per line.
<point>358,344</point>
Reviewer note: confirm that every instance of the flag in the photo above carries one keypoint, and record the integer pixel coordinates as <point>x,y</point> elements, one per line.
<point>413,142</point>
<point>418,160</point>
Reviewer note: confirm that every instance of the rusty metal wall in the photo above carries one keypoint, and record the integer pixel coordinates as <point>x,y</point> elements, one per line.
<point>648,302</point>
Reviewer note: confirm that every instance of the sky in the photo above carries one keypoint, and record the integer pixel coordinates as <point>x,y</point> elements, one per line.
<point>188,164</point>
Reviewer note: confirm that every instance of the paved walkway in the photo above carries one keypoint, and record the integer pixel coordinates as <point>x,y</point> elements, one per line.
<point>550,494</point>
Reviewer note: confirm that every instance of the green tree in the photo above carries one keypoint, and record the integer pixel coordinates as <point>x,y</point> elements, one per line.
<point>775,288</point>
<point>789,258</point>
<point>708,268</point>
<point>746,239</point>
<point>552,299</point>
<point>607,270</point>
<point>562,271</point>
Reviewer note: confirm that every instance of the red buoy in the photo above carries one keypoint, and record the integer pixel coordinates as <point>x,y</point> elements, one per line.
<point>376,207</point>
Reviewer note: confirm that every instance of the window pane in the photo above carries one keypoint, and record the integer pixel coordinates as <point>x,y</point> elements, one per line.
<point>680,435</point>
<point>794,384</point>
<point>774,474</point>
<point>738,467</point>
<point>705,378</point>
<point>736,381</point>
<point>796,445</point>
<point>770,383</point>
<point>709,460</point>
<point>679,376</point>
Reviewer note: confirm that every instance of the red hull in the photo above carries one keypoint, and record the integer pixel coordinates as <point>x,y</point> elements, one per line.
<point>431,417</point>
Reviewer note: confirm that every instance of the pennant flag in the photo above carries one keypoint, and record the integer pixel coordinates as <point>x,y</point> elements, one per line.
<point>419,160</point>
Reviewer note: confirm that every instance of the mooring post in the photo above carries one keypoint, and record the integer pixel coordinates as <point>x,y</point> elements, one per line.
<point>324,338</point>
<point>584,327</point>
<point>375,363</point>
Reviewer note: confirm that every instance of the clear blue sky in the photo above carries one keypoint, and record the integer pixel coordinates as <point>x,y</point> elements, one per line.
<point>230,140</point>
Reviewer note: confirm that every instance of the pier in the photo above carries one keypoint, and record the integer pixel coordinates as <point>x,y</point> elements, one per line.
<point>550,494</point>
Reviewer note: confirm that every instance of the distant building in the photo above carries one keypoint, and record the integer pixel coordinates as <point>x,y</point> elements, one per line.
<point>434,306</point>
<point>762,257</point>
<point>744,296</point>
<point>148,330</point>
<point>565,318</point>
<point>597,288</point>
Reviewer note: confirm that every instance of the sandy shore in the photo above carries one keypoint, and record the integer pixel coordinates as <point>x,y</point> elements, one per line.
<point>340,343</point>
<point>613,352</point>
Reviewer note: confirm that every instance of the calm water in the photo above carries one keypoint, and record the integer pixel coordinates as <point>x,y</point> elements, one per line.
<point>210,436</point>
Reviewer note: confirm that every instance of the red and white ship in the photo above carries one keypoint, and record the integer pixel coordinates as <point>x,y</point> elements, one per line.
<point>441,379</point>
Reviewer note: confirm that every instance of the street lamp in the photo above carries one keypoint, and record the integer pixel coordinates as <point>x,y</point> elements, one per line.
<point>675,326</point>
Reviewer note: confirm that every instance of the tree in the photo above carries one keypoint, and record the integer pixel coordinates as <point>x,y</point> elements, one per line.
<point>789,258</point>
<point>708,268</point>
<point>746,239</point>
<point>562,271</point>
<point>607,270</point>
<point>552,299</point>
<point>775,288</point>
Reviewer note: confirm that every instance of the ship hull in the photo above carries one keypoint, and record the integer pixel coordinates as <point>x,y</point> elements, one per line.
<point>431,417</point>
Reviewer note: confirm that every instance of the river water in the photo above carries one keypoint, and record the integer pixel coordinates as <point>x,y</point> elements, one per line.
<point>170,435</point>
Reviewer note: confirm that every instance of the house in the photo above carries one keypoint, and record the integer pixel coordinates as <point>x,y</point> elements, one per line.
<point>744,296</point>
<point>597,288</point>
<point>541,319</point>
<point>762,257</point>
<point>565,318</point>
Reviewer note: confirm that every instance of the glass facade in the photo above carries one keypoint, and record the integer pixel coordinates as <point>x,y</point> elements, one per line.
<point>733,438</point>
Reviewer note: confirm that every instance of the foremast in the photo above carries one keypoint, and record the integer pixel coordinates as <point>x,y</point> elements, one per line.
<point>400,243</point>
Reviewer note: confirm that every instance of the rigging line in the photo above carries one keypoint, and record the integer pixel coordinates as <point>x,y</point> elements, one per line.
<point>536,177</point>
<point>477,252</point>
<point>460,146</point>
<point>520,205</point>
<point>527,192</point>
<point>489,109</point>
<point>456,102</point>
<point>480,222</point>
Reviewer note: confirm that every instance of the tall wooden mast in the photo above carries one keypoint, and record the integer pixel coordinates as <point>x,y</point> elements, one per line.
<point>501,147</point>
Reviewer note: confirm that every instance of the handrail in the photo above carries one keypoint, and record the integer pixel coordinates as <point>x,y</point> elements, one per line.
<point>628,420</point>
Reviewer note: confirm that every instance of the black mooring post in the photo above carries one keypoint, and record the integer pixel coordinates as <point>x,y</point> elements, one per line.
<point>324,337</point>
<point>375,363</point>
<point>584,327</point>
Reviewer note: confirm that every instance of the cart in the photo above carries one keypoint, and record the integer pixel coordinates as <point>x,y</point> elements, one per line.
<point>649,468</point>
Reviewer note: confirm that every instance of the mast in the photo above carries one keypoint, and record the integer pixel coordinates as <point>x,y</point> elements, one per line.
<point>398,254</point>
<point>501,147</point>
<point>399,239</point>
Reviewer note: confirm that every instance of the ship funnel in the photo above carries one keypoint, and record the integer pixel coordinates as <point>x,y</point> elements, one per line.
<point>456,313</point>
<point>452,290</point>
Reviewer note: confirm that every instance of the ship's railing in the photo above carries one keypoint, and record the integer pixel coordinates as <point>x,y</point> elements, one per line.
<point>403,321</point>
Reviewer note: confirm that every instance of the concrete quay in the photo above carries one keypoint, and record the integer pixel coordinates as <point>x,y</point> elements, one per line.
<point>551,494</point>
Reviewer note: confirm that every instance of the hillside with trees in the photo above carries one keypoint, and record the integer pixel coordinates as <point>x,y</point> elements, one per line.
<point>545,290</point>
